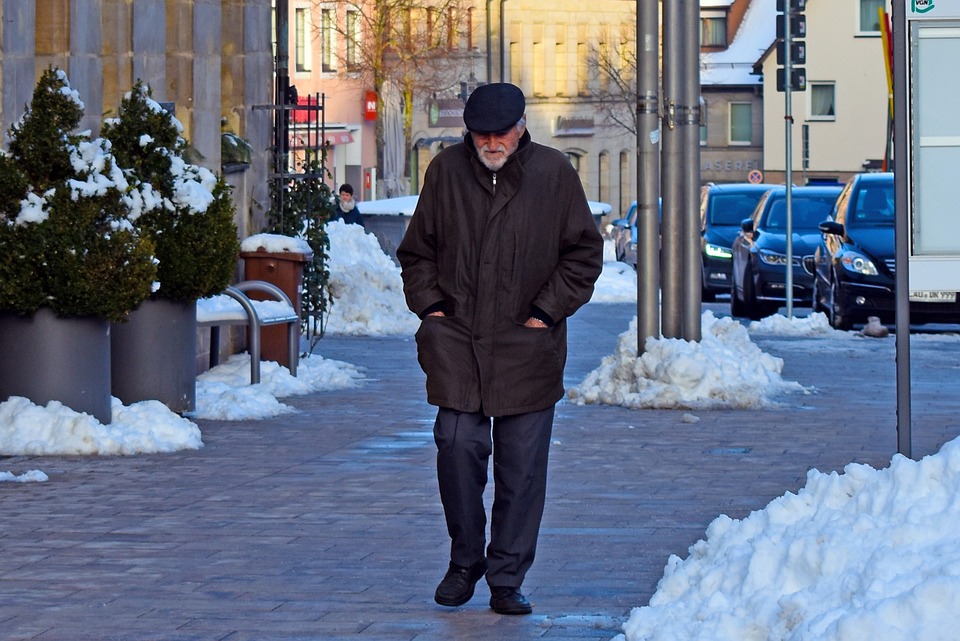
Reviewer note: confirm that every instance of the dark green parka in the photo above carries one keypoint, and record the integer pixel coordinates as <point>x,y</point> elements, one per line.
<point>492,249</point>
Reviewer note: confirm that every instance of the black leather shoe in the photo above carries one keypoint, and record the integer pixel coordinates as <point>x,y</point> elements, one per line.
<point>458,583</point>
<point>509,601</point>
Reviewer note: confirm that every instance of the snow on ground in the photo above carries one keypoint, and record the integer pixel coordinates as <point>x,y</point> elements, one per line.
<point>866,555</point>
<point>365,285</point>
<point>724,369</point>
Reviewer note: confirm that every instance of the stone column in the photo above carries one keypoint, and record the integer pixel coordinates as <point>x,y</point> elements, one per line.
<point>17,51</point>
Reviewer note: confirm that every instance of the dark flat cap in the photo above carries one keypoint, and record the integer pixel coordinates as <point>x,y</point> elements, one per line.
<point>494,107</point>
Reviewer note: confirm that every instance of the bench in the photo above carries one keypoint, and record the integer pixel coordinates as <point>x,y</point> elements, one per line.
<point>254,314</point>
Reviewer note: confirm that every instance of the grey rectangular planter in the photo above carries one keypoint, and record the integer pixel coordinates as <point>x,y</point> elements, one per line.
<point>153,355</point>
<point>48,358</point>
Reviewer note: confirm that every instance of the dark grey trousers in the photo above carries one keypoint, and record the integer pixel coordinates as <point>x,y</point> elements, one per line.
<point>520,445</point>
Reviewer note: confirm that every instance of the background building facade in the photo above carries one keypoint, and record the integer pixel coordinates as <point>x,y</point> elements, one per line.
<point>841,119</point>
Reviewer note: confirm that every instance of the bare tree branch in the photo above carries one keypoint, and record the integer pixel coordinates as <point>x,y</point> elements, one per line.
<point>615,66</point>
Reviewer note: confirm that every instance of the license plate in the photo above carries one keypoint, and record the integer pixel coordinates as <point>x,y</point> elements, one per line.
<point>933,297</point>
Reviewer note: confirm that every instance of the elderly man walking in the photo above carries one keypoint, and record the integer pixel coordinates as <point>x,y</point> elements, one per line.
<point>501,250</point>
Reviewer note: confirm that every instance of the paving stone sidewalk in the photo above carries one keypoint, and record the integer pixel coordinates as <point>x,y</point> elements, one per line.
<point>326,525</point>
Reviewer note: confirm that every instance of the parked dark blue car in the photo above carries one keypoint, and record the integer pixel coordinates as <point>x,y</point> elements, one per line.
<point>759,285</point>
<point>855,264</point>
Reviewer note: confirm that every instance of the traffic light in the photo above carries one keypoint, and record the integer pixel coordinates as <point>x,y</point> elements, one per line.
<point>791,40</point>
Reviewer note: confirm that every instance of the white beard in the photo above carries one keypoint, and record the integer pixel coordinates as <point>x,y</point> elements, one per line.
<point>493,165</point>
<point>348,206</point>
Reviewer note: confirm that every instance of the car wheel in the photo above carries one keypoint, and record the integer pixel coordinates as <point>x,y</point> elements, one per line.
<point>838,320</point>
<point>736,305</point>
<point>817,303</point>
<point>753,309</point>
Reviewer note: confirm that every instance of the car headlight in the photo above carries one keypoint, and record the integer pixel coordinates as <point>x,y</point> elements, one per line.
<point>773,258</point>
<point>858,264</point>
<point>716,251</point>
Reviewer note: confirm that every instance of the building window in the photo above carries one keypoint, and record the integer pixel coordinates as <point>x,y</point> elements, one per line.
<point>713,30</point>
<point>561,65</point>
<point>353,40</point>
<point>741,123</point>
<point>302,39</point>
<point>408,22</point>
<point>870,16</point>
<point>822,101</point>
<point>583,68</point>
<point>471,45</point>
<point>451,29</point>
<point>328,39</point>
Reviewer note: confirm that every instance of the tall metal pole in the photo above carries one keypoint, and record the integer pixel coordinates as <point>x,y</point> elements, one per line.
<point>673,200</point>
<point>690,173</point>
<point>503,41</point>
<point>901,165</point>
<point>488,78</point>
<point>648,171</point>
<point>788,146</point>
<point>280,142</point>
<point>283,73</point>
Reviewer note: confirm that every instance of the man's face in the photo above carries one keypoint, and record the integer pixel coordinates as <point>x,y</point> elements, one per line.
<point>495,148</point>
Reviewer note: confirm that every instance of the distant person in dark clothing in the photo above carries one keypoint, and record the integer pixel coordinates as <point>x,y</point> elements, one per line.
<point>347,207</point>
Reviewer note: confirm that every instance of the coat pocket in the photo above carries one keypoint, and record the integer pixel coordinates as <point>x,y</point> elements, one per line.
<point>529,367</point>
<point>445,355</point>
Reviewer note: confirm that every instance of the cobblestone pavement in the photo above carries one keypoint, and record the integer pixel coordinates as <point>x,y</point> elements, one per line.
<point>326,525</point>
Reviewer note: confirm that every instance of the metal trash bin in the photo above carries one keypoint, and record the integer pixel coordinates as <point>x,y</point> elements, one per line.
<point>285,270</point>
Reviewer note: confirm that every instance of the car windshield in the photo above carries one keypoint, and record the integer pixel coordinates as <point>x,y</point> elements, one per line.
<point>730,209</point>
<point>873,206</point>
<point>808,213</point>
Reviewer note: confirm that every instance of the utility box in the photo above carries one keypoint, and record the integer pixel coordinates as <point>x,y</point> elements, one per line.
<point>928,156</point>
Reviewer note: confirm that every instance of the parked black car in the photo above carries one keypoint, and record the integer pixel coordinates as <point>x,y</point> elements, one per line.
<point>722,208</point>
<point>759,278</point>
<point>855,264</point>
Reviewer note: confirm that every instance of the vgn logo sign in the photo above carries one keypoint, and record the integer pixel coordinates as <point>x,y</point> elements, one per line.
<point>921,6</point>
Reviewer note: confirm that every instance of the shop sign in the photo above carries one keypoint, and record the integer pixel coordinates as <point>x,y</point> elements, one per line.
<point>445,112</point>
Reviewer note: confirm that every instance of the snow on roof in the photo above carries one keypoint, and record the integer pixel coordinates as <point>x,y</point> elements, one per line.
<point>734,65</point>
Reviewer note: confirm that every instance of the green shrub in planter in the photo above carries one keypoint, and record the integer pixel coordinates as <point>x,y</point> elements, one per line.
<point>66,239</point>
<point>185,209</point>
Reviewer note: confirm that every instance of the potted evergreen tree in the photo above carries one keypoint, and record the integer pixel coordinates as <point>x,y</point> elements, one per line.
<point>188,213</point>
<point>71,260</point>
